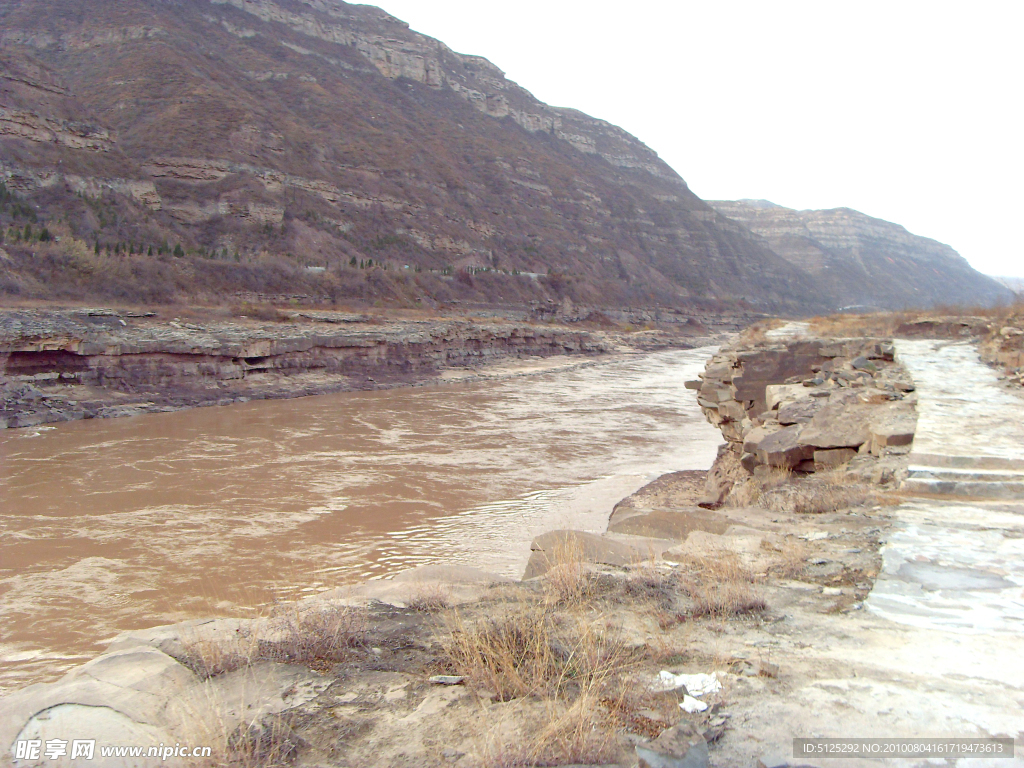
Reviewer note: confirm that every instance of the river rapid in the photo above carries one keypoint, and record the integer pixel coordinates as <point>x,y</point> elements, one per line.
<point>110,525</point>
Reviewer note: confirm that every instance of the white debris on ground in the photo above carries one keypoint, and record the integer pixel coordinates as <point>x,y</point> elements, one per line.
<point>691,705</point>
<point>695,685</point>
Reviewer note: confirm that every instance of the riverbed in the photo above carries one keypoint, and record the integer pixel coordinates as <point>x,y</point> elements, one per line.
<point>127,523</point>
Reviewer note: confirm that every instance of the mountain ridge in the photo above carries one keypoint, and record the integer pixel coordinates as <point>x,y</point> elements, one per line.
<point>326,151</point>
<point>863,260</point>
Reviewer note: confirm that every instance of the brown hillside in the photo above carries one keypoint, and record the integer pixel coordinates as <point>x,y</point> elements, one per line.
<point>269,137</point>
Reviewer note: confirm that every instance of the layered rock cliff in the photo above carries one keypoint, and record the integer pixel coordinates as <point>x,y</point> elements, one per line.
<point>859,261</point>
<point>273,136</point>
<point>80,364</point>
<point>805,405</point>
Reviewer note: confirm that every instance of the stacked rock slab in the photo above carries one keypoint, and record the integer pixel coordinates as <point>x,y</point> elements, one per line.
<point>805,405</point>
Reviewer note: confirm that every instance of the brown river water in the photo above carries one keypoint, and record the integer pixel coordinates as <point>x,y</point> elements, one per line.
<point>120,524</point>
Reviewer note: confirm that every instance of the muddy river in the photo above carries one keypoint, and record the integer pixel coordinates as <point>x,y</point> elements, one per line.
<point>118,524</point>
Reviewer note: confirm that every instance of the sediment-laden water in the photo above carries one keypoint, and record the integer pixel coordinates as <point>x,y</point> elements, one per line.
<point>126,523</point>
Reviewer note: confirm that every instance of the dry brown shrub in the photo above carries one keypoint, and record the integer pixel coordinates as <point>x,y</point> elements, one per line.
<point>519,649</point>
<point>567,582</point>
<point>720,586</point>
<point>261,745</point>
<point>791,557</point>
<point>431,598</point>
<point>573,733</point>
<point>316,637</point>
<point>633,706</point>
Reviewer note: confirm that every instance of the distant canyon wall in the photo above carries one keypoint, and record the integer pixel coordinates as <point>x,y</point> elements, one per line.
<point>864,262</point>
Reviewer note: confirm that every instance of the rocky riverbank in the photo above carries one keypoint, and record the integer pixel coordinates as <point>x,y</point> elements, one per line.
<point>807,405</point>
<point>720,615</point>
<point>61,365</point>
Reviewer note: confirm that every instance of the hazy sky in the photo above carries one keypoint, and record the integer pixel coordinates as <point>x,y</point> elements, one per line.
<point>908,111</point>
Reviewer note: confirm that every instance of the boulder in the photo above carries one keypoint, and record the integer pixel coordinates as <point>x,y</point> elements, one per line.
<point>759,368</point>
<point>800,411</point>
<point>715,392</point>
<point>892,430</point>
<point>75,722</point>
<point>681,746</point>
<point>863,364</point>
<point>784,448</point>
<point>757,434</point>
<point>731,410</point>
<point>117,698</point>
<point>671,523</point>
<point>842,423</point>
<point>777,394</point>
<point>749,462</point>
<point>719,370</point>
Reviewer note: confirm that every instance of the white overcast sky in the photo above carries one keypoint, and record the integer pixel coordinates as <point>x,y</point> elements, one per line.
<point>908,111</point>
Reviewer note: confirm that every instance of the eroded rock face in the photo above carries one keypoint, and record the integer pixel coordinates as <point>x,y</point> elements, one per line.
<point>53,364</point>
<point>862,261</point>
<point>805,405</point>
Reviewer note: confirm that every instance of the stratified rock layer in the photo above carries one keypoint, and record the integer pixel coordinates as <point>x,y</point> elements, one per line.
<point>59,366</point>
<point>321,133</point>
<point>806,405</point>
<point>857,260</point>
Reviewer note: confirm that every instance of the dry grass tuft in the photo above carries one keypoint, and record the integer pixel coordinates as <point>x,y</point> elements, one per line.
<point>567,733</point>
<point>316,637</point>
<point>210,658</point>
<point>776,477</point>
<point>651,582</point>
<point>567,582</point>
<point>526,649</point>
<point>432,598</point>
<point>578,732</point>
<point>259,745</point>
<point>790,558</point>
<point>720,586</point>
